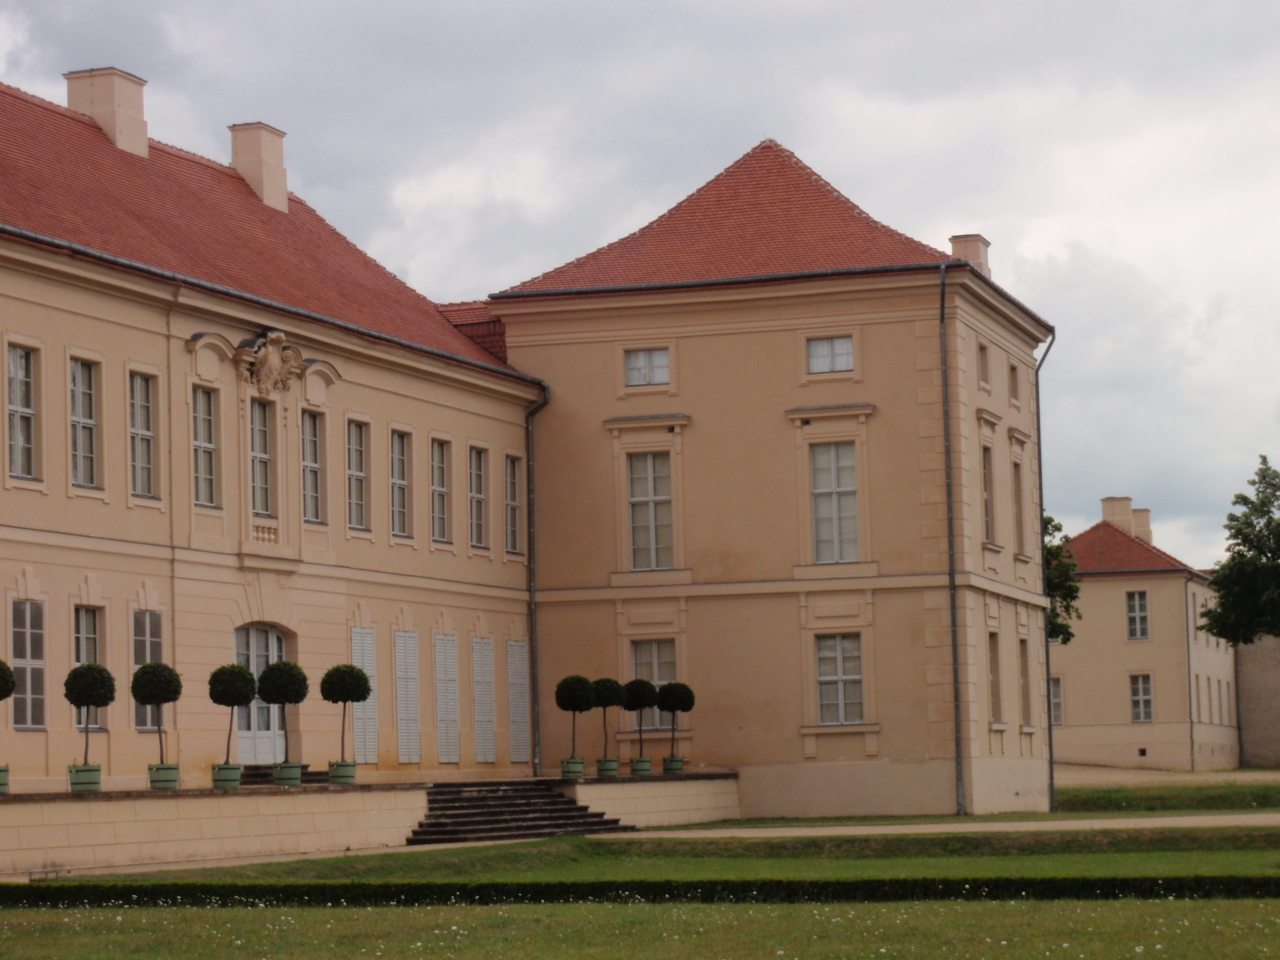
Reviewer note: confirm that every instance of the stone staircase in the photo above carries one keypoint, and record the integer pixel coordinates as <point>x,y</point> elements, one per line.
<point>261,775</point>
<point>504,810</point>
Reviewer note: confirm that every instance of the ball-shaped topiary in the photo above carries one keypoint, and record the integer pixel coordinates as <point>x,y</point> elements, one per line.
<point>154,685</point>
<point>232,686</point>
<point>575,695</point>
<point>280,683</point>
<point>89,685</point>
<point>674,698</point>
<point>608,693</point>
<point>637,695</point>
<point>345,683</point>
<point>7,682</point>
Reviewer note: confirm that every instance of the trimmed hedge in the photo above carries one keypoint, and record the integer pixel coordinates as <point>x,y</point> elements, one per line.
<point>1227,796</point>
<point>341,893</point>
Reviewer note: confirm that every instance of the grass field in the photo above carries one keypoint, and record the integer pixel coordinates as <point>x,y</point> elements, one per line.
<point>1224,930</point>
<point>1227,796</point>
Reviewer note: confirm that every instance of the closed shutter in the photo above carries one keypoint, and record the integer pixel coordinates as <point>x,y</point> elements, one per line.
<point>518,699</point>
<point>408,698</point>
<point>482,700</point>
<point>364,654</point>
<point>450,749</point>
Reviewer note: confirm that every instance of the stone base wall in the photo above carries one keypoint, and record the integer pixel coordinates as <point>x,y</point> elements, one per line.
<point>1259,702</point>
<point>660,801</point>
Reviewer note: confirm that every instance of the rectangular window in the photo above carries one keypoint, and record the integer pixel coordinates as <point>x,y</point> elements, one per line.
<point>988,498</point>
<point>1015,389</point>
<point>22,413</point>
<point>440,491</point>
<point>835,503</point>
<point>142,437</point>
<point>28,663</point>
<point>401,472</point>
<point>1024,681</point>
<point>830,354</point>
<point>260,455</point>
<point>147,648</point>
<point>479,490</point>
<point>655,661</point>
<point>984,364</point>
<point>840,679</point>
<point>204,446</point>
<point>84,423</point>
<point>312,468</point>
<point>1019,520</point>
<point>648,367</point>
<point>1139,626</point>
<point>513,504</point>
<point>650,501</point>
<point>1055,701</point>
<point>87,644</point>
<point>357,475</point>
<point>993,676</point>
<point>1140,698</point>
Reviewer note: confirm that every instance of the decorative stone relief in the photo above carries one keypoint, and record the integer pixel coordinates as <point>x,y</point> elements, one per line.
<point>269,363</point>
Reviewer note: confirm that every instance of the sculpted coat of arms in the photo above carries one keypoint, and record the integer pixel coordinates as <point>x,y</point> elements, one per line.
<point>269,363</point>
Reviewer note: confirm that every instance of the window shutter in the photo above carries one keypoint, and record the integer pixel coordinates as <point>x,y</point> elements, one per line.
<point>364,654</point>
<point>408,698</point>
<point>448,744</point>
<point>518,700</point>
<point>482,699</point>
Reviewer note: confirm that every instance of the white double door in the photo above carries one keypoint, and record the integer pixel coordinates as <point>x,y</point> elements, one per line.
<point>260,725</point>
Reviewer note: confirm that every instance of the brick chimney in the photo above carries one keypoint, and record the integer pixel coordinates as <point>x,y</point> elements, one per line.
<point>972,247</point>
<point>114,99</point>
<point>257,154</point>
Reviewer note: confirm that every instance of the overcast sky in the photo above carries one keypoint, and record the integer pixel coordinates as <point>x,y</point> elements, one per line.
<point>1122,157</point>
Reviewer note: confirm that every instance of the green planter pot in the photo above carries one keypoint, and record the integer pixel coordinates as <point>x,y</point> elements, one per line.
<point>288,774</point>
<point>85,779</point>
<point>342,771</point>
<point>572,768</point>
<point>226,776</point>
<point>164,776</point>
<point>640,766</point>
<point>4,779</point>
<point>607,768</point>
<point>673,766</point>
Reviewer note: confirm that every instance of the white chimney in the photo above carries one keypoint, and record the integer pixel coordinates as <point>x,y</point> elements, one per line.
<point>257,154</point>
<point>972,247</point>
<point>1119,510</point>
<point>114,99</point>
<point>1142,525</point>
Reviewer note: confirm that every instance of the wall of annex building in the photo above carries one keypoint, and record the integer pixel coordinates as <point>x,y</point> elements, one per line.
<point>1259,674</point>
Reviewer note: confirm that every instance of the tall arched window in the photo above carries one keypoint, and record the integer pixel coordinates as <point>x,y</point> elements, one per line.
<point>260,725</point>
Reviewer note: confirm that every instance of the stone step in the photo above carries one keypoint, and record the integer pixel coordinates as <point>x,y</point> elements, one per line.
<point>458,812</point>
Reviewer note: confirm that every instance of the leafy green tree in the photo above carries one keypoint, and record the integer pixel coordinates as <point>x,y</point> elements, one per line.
<point>1247,583</point>
<point>232,686</point>
<point>282,683</point>
<point>608,693</point>
<point>1061,584</point>
<point>154,685</point>
<point>575,694</point>
<point>345,683</point>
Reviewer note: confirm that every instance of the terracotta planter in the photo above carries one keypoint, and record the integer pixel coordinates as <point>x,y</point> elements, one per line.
<point>164,776</point>
<point>4,779</point>
<point>226,776</point>
<point>607,768</point>
<point>288,774</point>
<point>572,769</point>
<point>640,766</point>
<point>342,771</point>
<point>85,779</point>
<point>673,766</point>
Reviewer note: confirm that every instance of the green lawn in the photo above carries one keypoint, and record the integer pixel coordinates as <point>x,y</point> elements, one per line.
<point>1170,930</point>
<point>1227,796</point>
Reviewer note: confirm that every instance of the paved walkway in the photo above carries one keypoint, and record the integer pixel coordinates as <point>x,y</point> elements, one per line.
<point>1075,775</point>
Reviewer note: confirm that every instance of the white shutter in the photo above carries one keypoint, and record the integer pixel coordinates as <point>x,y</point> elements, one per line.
<point>364,716</point>
<point>408,698</point>
<point>449,747</point>
<point>482,699</point>
<point>518,699</point>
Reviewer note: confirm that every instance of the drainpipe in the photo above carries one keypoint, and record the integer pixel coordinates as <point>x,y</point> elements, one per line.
<point>531,555</point>
<point>1044,573</point>
<point>951,537</point>
<point>1191,717</point>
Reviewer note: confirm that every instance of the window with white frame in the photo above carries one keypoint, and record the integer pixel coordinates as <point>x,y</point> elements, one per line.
<point>988,497</point>
<point>1140,709</point>
<point>478,472</point>
<point>648,367</point>
<point>440,491</point>
<point>512,486</point>
<point>87,638</point>
<point>148,647</point>
<point>1055,701</point>
<point>655,661</point>
<point>28,663</point>
<point>312,467</point>
<point>142,435</point>
<point>357,475</point>
<point>1139,624</point>
<point>993,677</point>
<point>22,412</point>
<point>830,354</point>
<point>840,678</point>
<point>204,447</point>
<point>835,502</point>
<point>260,456</point>
<point>401,491</point>
<point>651,513</point>
<point>1024,681</point>
<point>84,423</point>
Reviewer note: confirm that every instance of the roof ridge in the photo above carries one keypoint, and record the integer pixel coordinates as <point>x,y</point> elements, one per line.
<point>1136,539</point>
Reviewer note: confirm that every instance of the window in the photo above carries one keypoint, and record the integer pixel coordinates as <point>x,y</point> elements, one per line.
<point>401,471</point>
<point>993,676</point>
<point>513,504</point>
<point>831,355</point>
<point>479,484</point>
<point>357,475</point>
<point>204,447</point>
<point>1055,701</point>
<point>142,436</point>
<point>835,503</point>
<point>28,663</point>
<point>87,638</point>
<point>1140,698</point>
<point>1019,517</point>
<point>84,424</point>
<point>988,498</point>
<point>1024,681</point>
<point>984,364</point>
<point>840,679</point>
<point>260,455</point>
<point>648,367</point>
<point>651,530</point>
<point>1015,389</point>
<point>440,491</point>
<point>147,648</point>
<point>655,661</point>
<point>1139,627</point>
<point>22,413</point>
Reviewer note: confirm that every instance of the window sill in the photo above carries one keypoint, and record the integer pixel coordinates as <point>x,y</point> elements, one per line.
<point>653,732</point>
<point>1027,728</point>
<point>207,506</point>
<point>27,483</point>
<point>1024,558</point>
<point>650,578</point>
<point>97,493</point>
<point>32,730</point>
<point>824,571</point>
<point>315,523</point>
<point>358,533</point>
<point>998,725</point>
<point>824,729</point>
<point>992,547</point>
<point>1138,640</point>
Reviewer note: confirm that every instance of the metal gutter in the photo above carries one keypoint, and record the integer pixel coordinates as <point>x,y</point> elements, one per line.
<point>1044,575</point>
<point>951,539</point>
<point>531,550</point>
<point>1191,706</point>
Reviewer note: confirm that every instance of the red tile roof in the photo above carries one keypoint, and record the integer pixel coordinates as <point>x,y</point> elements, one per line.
<point>62,177</point>
<point>474,320</point>
<point>1106,548</point>
<point>766,214</point>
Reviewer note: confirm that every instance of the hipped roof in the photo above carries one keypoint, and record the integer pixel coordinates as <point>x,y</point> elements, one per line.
<point>1107,548</point>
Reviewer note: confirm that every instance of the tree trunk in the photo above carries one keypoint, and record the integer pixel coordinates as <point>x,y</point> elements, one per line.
<point>604,713</point>
<point>342,750</point>
<point>673,734</point>
<point>230,726</point>
<point>573,749</point>
<point>640,729</point>
<point>284,728</point>
<point>86,736</point>
<point>160,733</point>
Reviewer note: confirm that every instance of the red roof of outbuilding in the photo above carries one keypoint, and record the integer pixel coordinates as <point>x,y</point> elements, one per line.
<point>1106,548</point>
<point>766,214</point>
<point>62,177</point>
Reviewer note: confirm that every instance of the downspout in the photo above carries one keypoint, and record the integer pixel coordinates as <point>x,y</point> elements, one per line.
<point>1191,717</point>
<point>1044,574</point>
<point>951,538</point>
<point>531,556</point>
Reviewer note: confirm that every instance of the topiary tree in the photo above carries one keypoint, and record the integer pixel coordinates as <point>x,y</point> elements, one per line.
<point>345,683</point>
<point>7,682</point>
<point>639,695</point>
<point>608,693</point>
<point>575,695</point>
<point>232,686</point>
<point>280,683</point>
<point>154,685</point>
<point>89,685</point>
<point>674,698</point>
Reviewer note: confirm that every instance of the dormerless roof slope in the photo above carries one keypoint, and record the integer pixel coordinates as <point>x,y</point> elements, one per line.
<point>60,176</point>
<point>1106,548</point>
<point>766,214</point>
